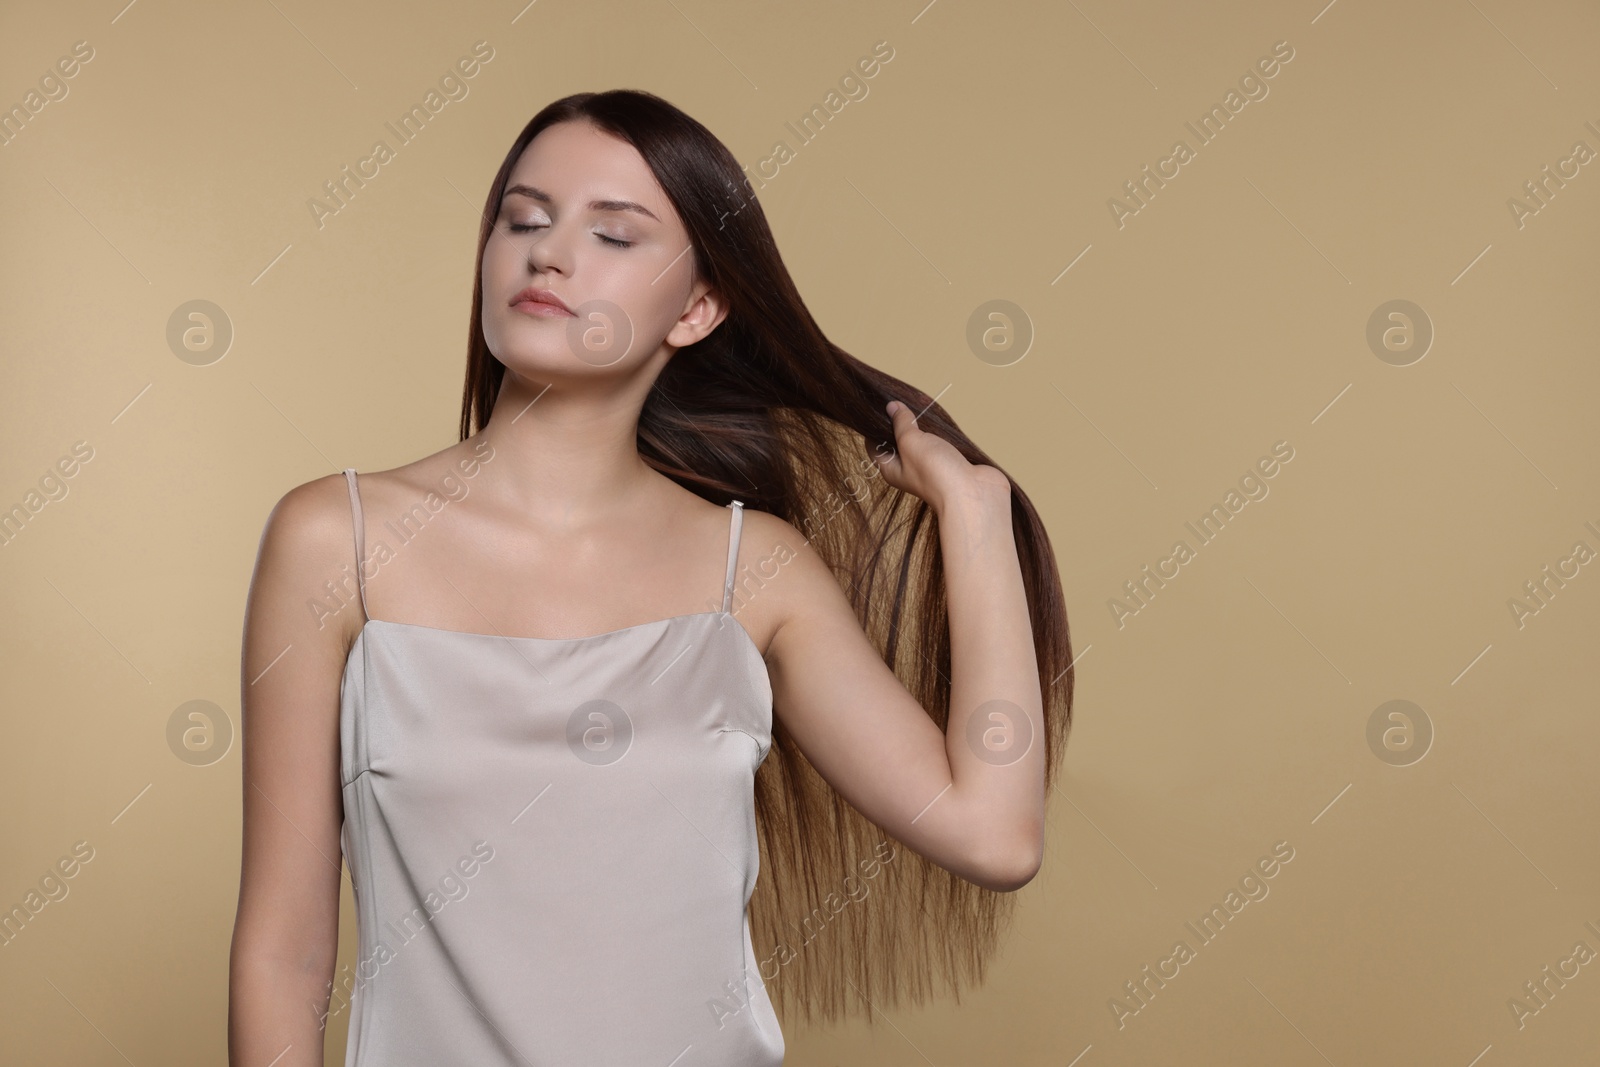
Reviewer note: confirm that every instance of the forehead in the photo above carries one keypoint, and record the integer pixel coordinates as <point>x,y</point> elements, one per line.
<point>576,163</point>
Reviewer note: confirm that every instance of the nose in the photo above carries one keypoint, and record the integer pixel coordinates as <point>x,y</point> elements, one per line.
<point>547,249</point>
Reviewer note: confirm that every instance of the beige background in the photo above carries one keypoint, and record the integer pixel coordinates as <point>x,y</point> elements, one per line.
<point>1231,312</point>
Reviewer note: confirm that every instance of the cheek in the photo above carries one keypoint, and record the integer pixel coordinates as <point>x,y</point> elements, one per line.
<point>499,256</point>
<point>499,278</point>
<point>637,287</point>
<point>655,297</point>
<point>657,311</point>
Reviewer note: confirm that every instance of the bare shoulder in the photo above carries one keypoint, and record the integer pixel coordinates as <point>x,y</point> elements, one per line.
<point>308,540</point>
<point>784,575</point>
<point>308,520</point>
<point>442,474</point>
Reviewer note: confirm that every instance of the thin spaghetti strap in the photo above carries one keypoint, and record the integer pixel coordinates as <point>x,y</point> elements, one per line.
<point>733,552</point>
<point>361,537</point>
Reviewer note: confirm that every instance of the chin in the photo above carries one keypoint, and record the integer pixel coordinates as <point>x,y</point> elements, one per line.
<point>546,363</point>
<point>552,346</point>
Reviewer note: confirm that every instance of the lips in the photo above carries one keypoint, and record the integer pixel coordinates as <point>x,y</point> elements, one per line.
<point>540,296</point>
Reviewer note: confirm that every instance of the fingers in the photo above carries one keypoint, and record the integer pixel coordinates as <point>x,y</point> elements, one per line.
<point>900,416</point>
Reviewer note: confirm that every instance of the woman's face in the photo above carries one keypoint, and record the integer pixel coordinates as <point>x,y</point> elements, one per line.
<point>584,218</point>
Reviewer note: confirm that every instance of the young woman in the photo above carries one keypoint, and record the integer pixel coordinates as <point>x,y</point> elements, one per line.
<point>529,685</point>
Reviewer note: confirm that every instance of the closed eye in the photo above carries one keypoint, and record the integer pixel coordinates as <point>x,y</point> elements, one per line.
<point>517,227</point>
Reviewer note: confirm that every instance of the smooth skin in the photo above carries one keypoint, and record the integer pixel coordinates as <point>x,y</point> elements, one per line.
<point>563,531</point>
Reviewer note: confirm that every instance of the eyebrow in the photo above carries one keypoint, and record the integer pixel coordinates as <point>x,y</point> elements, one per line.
<point>543,197</point>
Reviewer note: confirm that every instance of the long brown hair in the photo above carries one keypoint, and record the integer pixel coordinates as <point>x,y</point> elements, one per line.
<point>763,409</point>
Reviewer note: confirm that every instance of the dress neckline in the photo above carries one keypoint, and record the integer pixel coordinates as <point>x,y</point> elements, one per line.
<point>515,639</point>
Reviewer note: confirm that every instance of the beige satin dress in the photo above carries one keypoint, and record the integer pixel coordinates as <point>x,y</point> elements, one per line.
<point>553,843</point>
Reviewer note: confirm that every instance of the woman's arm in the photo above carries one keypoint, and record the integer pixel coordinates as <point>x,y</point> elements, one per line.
<point>970,799</point>
<point>285,935</point>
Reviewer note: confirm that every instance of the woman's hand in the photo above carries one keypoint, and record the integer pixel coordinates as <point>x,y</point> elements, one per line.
<point>928,466</point>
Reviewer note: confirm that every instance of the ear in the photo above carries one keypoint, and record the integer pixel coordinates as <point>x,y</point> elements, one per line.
<point>704,312</point>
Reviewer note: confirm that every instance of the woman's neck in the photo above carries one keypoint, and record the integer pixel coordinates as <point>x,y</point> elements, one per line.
<point>568,454</point>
